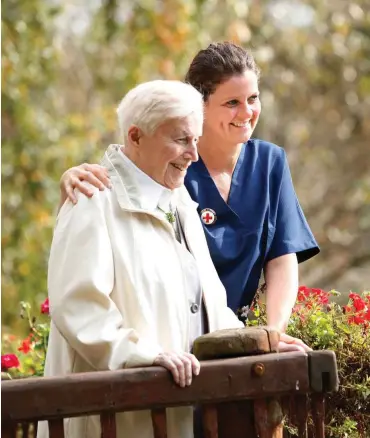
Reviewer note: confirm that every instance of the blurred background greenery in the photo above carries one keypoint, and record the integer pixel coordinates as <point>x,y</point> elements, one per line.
<point>66,64</point>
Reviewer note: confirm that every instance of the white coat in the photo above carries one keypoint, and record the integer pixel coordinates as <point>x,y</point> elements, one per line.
<point>117,292</point>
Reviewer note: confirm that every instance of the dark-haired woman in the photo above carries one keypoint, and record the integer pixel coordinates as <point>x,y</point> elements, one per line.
<point>250,213</point>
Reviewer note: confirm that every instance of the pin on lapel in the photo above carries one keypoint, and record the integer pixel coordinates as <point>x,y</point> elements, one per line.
<point>208,216</point>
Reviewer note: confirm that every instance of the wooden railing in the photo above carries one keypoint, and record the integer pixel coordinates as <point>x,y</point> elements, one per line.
<point>241,397</point>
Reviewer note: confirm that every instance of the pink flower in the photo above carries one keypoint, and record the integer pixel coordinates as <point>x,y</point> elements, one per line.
<point>45,307</point>
<point>9,361</point>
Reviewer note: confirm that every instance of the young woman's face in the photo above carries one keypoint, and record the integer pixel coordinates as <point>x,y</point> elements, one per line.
<point>232,111</point>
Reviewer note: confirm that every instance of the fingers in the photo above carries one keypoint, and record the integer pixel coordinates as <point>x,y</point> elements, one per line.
<point>288,343</point>
<point>70,194</point>
<point>195,364</point>
<point>284,347</point>
<point>98,174</point>
<point>86,175</point>
<point>73,178</point>
<point>182,366</point>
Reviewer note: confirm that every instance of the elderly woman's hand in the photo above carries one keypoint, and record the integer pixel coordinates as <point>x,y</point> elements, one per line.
<point>181,365</point>
<point>73,179</point>
<point>288,343</point>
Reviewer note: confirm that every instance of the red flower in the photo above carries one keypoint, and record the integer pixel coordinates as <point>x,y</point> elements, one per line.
<point>25,345</point>
<point>358,303</point>
<point>9,361</point>
<point>45,307</point>
<point>356,320</point>
<point>303,293</point>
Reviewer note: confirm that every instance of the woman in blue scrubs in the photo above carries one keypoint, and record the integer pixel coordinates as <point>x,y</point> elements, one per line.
<point>250,212</point>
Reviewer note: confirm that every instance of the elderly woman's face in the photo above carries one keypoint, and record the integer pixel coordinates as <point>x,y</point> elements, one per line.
<point>166,155</point>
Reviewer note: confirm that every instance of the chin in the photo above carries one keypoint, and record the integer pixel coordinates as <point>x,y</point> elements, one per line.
<point>174,184</point>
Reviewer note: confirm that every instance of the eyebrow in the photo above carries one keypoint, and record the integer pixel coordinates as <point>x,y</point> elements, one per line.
<point>182,133</point>
<point>238,96</point>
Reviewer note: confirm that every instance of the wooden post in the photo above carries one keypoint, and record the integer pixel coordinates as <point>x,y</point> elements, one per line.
<point>301,414</point>
<point>210,426</point>
<point>159,423</point>
<point>268,417</point>
<point>236,419</point>
<point>108,425</point>
<point>318,414</point>
<point>56,428</point>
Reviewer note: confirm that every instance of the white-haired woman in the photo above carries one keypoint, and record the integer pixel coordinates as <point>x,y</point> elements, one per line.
<point>130,274</point>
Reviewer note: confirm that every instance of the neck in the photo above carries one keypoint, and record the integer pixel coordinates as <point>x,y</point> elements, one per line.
<point>219,157</point>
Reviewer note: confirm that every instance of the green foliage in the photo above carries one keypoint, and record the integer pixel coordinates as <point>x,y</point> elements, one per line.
<point>324,324</point>
<point>65,69</point>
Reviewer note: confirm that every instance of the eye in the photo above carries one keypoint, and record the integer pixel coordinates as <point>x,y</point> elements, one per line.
<point>182,140</point>
<point>232,103</point>
<point>253,98</point>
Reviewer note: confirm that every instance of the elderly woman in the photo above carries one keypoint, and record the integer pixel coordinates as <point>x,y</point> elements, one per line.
<point>131,282</point>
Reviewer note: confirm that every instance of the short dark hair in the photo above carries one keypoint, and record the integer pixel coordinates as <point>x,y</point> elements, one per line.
<point>217,63</point>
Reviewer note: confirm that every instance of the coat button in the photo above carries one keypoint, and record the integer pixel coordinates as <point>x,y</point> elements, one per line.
<point>194,308</point>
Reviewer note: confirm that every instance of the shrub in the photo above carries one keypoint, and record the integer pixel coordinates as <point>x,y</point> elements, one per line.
<point>323,324</point>
<point>26,357</point>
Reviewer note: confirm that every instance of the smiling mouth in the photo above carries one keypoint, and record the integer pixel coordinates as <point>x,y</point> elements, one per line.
<point>242,125</point>
<point>181,168</point>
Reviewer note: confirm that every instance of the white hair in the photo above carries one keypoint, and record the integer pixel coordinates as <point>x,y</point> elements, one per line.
<point>150,104</point>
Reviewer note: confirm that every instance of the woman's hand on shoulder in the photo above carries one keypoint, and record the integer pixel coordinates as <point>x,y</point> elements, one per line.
<point>181,365</point>
<point>73,179</point>
<point>288,343</point>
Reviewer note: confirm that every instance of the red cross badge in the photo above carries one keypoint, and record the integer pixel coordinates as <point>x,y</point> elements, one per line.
<point>208,216</point>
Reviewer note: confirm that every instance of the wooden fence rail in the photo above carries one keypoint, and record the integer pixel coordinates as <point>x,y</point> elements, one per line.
<point>240,397</point>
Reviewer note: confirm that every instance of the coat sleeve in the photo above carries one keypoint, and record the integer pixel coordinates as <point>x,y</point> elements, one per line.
<point>80,281</point>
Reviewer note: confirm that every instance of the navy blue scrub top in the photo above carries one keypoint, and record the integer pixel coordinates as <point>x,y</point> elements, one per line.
<point>262,219</point>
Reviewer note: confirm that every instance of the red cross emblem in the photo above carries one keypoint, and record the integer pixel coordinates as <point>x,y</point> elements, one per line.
<point>208,216</point>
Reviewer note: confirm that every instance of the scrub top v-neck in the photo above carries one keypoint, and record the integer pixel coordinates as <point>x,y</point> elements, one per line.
<point>261,220</point>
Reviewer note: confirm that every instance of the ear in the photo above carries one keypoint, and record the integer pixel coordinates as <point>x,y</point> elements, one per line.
<point>134,135</point>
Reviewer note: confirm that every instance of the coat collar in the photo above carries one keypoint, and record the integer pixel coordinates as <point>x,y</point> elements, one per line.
<point>127,189</point>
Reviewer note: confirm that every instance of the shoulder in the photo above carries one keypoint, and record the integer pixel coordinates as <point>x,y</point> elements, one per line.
<point>266,150</point>
<point>86,209</point>
<point>265,157</point>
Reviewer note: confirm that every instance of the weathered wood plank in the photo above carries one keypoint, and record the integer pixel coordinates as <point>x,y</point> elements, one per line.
<point>159,422</point>
<point>210,426</point>
<point>268,418</point>
<point>56,428</point>
<point>236,342</point>
<point>108,425</point>
<point>152,387</point>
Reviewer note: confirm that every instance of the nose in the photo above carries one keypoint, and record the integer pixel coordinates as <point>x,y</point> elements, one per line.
<point>246,110</point>
<point>192,150</point>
